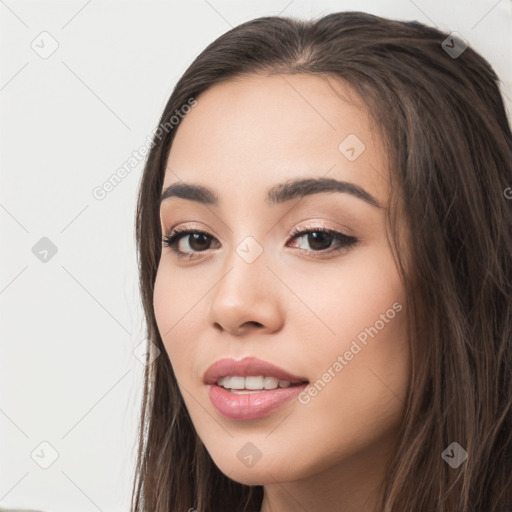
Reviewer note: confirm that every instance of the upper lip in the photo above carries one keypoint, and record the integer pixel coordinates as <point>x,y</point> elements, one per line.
<point>246,367</point>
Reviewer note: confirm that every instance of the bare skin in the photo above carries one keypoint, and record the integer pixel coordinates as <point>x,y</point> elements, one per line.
<point>288,307</point>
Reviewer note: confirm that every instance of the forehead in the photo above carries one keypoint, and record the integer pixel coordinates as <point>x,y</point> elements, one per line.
<point>254,131</point>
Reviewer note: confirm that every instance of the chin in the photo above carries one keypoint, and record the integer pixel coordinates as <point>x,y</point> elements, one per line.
<point>262,473</point>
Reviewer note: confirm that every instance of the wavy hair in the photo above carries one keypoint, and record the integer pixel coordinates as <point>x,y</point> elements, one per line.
<point>449,144</point>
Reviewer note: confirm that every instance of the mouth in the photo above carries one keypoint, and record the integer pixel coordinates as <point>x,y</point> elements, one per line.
<point>250,374</point>
<point>250,388</point>
<point>255,384</point>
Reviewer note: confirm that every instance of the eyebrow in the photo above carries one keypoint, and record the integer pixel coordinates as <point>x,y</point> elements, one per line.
<point>277,194</point>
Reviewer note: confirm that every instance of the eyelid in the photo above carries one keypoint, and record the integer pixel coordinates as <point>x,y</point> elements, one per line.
<point>343,230</point>
<point>296,230</point>
<point>321,225</point>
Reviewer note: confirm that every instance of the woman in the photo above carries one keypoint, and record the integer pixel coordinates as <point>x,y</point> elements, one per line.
<point>324,240</point>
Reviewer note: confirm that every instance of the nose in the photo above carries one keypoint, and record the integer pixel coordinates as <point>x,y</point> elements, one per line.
<point>247,299</point>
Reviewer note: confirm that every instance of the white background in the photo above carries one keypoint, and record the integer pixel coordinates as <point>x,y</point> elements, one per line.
<point>68,374</point>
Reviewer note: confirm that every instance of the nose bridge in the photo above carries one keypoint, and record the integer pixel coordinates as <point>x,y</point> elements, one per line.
<point>245,267</point>
<point>247,255</point>
<point>243,294</point>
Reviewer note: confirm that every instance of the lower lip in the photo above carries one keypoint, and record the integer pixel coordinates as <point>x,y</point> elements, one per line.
<point>251,406</point>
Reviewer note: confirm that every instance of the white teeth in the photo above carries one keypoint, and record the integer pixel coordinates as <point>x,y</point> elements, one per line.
<point>271,383</point>
<point>252,382</point>
<point>237,383</point>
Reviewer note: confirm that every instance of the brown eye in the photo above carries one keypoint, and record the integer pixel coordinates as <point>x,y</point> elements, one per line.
<point>320,240</point>
<point>197,241</point>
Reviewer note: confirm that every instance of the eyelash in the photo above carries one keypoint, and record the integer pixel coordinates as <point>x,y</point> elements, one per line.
<point>344,241</point>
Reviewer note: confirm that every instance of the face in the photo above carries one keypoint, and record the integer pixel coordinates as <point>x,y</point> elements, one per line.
<point>325,306</point>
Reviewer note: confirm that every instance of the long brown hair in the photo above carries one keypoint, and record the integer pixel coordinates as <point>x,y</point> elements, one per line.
<point>443,121</point>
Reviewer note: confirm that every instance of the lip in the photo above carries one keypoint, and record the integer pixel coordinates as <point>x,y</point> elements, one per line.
<point>246,367</point>
<point>251,406</point>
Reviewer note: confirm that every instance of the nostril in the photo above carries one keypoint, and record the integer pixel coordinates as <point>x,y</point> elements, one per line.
<point>253,323</point>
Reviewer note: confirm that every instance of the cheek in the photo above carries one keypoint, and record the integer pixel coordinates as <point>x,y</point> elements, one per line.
<point>360,358</point>
<point>165,303</point>
<point>176,307</point>
<point>345,297</point>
